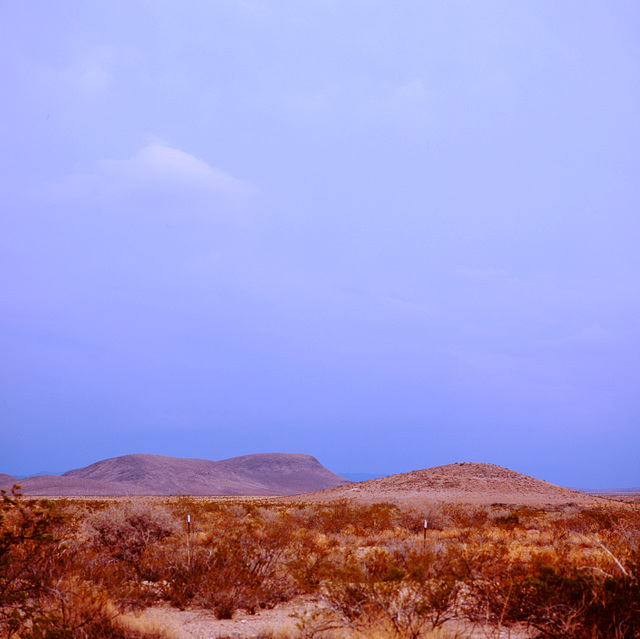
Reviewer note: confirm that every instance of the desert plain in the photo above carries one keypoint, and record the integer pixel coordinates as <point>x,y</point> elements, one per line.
<point>462,550</point>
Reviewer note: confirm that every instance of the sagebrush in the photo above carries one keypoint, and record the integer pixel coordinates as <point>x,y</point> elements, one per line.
<point>71,569</point>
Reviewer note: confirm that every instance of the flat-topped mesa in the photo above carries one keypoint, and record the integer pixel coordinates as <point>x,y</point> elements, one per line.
<point>281,472</point>
<point>274,462</point>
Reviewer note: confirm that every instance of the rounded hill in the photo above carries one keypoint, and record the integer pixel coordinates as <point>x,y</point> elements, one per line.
<point>466,482</point>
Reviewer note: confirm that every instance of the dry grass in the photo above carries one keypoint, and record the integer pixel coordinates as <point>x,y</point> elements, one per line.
<point>85,568</point>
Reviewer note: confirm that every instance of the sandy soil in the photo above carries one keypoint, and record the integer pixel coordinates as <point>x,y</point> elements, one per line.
<point>202,624</point>
<point>281,620</point>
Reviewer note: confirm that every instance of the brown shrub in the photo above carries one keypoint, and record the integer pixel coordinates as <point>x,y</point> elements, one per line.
<point>553,593</point>
<point>241,565</point>
<point>127,531</point>
<point>410,591</point>
<point>44,591</point>
<point>31,553</point>
<point>563,572</point>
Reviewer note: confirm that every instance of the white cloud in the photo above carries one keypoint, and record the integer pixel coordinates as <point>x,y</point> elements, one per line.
<point>158,165</point>
<point>157,178</point>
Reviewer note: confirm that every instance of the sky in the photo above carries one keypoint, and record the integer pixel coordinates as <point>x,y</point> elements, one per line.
<point>392,235</point>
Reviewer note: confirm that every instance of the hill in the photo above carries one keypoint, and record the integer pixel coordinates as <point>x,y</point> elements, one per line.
<point>139,474</point>
<point>466,482</point>
<point>6,481</point>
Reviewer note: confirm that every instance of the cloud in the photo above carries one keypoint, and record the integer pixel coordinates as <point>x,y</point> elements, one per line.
<point>158,178</point>
<point>158,165</point>
<point>92,75</point>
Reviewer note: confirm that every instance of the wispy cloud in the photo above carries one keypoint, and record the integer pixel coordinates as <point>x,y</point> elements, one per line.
<point>92,74</point>
<point>169,178</point>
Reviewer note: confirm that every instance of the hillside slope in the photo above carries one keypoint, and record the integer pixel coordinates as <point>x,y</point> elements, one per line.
<point>467,482</point>
<point>6,481</point>
<point>140,474</point>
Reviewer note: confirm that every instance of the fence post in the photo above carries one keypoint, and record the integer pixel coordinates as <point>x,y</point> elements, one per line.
<point>189,539</point>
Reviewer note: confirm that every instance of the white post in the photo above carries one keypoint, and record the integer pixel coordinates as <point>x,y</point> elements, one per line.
<point>189,539</point>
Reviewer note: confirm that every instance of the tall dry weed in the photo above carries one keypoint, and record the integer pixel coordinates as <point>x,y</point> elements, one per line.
<point>46,591</point>
<point>72,571</point>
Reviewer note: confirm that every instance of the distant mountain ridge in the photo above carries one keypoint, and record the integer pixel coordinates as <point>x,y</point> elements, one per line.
<point>142,474</point>
<point>281,474</point>
<point>610,491</point>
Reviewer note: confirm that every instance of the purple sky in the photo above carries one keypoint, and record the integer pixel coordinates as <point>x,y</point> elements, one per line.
<point>391,235</point>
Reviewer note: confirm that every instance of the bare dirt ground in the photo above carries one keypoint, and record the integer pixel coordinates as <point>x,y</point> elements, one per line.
<point>202,624</point>
<point>283,620</point>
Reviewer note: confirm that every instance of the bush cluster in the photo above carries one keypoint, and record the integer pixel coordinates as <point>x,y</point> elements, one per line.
<point>71,569</point>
